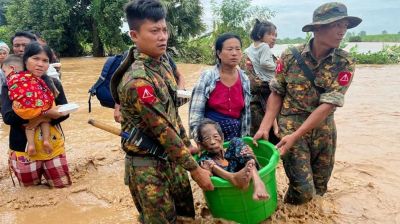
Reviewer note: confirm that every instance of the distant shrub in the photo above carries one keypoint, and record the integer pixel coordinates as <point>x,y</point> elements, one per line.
<point>381,38</point>
<point>355,39</point>
<point>389,55</point>
<point>198,51</point>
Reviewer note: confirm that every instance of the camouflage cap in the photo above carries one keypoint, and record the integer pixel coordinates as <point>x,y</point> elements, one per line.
<point>329,13</point>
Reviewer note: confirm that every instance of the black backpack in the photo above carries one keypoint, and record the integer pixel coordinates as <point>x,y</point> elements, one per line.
<point>101,89</point>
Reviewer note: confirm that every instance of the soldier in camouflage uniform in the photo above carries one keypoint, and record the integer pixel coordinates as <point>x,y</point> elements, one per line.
<point>306,114</point>
<point>145,88</point>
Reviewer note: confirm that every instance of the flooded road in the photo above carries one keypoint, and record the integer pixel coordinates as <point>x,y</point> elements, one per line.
<point>364,187</point>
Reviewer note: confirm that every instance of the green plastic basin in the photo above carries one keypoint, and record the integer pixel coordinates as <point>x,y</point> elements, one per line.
<point>231,203</point>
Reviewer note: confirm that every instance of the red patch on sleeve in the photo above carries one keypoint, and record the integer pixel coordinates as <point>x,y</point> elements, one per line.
<point>279,67</point>
<point>146,94</point>
<point>344,78</point>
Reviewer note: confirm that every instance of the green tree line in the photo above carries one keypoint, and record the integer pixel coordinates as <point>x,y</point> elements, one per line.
<point>81,27</point>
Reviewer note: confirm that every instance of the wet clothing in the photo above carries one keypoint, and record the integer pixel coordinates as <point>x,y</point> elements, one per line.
<point>236,161</point>
<point>30,172</point>
<point>145,88</point>
<point>30,169</point>
<point>160,192</point>
<point>259,85</point>
<point>310,161</point>
<point>17,137</point>
<point>202,93</point>
<point>30,94</point>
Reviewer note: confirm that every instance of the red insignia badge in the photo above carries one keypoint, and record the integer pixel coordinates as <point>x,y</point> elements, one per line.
<point>146,94</point>
<point>344,78</point>
<point>279,67</point>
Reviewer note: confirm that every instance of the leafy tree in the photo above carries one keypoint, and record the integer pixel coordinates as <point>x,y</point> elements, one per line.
<point>39,15</point>
<point>184,20</point>
<point>3,3</point>
<point>107,22</point>
<point>355,39</point>
<point>362,33</point>
<point>384,32</point>
<point>77,29</point>
<point>238,16</point>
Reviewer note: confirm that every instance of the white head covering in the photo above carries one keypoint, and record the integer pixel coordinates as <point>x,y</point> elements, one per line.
<point>4,47</point>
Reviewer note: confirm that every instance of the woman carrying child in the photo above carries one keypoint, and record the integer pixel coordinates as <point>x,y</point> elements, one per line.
<point>260,72</point>
<point>43,158</point>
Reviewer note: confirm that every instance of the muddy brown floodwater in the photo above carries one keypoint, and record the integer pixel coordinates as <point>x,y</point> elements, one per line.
<point>364,187</point>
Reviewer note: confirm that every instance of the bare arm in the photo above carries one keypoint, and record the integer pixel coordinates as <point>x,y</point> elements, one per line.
<point>315,118</point>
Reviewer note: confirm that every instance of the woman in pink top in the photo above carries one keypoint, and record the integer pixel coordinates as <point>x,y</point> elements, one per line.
<point>223,93</point>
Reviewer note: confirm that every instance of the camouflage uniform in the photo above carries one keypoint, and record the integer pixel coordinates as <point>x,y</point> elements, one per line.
<point>310,161</point>
<point>147,95</point>
<point>259,95</point>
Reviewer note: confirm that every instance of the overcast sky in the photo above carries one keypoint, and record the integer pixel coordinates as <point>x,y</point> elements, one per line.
<point>292,15</point>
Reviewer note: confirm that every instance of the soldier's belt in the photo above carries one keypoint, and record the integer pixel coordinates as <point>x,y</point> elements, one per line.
<point>144,142</point>
<point>138,161</point>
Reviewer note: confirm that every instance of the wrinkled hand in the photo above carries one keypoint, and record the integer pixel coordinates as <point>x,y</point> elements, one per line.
<point>248,152</point>
<point>202,178</point>
<point>260,134</point>
<point>285,144</point>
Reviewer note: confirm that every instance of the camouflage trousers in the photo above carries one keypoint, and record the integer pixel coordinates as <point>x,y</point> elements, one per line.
<point>260,92</point>
<point>309,163</point>
<point>257,115</point>
<point>160,192</point>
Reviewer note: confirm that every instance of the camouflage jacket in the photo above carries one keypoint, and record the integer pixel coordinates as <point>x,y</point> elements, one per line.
<point>334,74</point>
<point>147,95</point>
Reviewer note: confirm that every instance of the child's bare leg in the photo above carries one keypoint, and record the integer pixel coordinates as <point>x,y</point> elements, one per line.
<point>30,136</point>
<point>259,188</point>
<point>45,126</point>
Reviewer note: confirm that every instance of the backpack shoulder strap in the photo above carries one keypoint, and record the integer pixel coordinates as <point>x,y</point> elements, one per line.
<point>119,73</point>
<point>104,72</point>
<point>307,71</point>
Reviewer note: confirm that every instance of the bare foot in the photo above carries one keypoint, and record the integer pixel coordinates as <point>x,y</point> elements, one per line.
<point>208,165</point>
<point>31,150</point>
<point>47,147</point>
<point>241,179</point>
<point>259,191</point>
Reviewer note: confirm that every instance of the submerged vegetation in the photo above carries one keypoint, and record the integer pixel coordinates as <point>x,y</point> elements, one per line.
<point>388,55</point>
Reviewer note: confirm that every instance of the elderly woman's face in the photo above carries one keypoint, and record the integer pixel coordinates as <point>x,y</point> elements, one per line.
<point>231,52</point>
<point>3,55</point>
<point>38,64</point>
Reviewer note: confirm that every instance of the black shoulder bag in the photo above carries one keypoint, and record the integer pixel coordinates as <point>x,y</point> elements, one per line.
<point>307,71</point>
